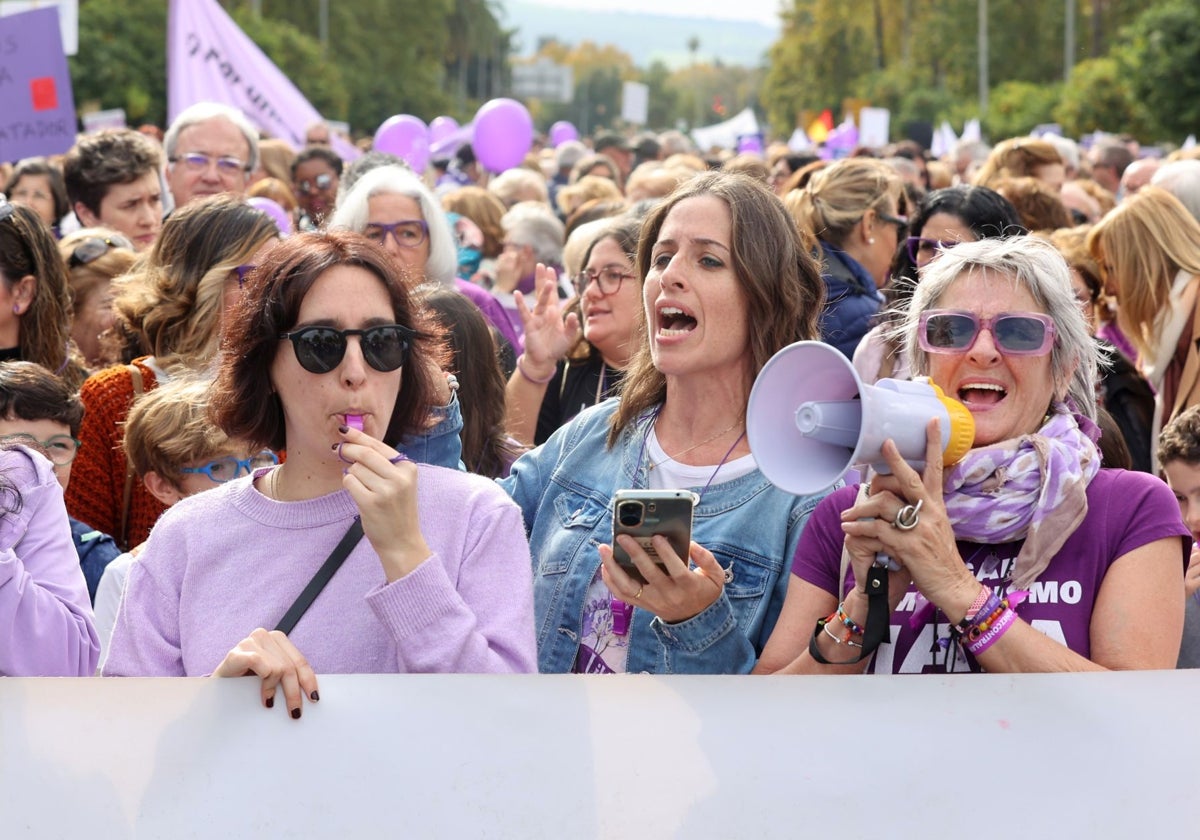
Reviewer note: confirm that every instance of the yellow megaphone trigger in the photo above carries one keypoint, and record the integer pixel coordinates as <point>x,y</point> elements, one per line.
<point>962,428</point>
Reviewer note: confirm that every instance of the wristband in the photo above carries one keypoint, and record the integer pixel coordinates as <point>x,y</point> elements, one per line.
<point>524,373</point>
<point>988,637</point>
<point>981,633</point>
<point>978,604</point>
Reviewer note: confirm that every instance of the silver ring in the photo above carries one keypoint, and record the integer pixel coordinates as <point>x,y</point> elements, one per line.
<point>908,516</point>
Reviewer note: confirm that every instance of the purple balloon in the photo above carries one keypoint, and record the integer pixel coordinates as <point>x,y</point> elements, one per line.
<point>561,132</point>
<point>503,134</point>
<point>441,128</point>
<point>272,208</point>
<point>406,137</point>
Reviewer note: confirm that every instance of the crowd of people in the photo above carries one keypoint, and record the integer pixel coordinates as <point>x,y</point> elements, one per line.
<point>270,412</point>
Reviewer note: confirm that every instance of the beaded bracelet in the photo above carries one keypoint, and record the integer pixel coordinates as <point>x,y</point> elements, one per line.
<point>524,373</point>
<point>841,615</point>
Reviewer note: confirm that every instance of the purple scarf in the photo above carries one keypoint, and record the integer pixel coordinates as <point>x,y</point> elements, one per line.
<point>1032,487</point>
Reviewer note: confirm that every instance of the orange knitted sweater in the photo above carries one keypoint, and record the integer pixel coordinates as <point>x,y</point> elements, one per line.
<point>97,488</point>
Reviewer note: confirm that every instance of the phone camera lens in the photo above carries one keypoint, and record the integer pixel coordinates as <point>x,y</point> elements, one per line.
<point>630,514</point>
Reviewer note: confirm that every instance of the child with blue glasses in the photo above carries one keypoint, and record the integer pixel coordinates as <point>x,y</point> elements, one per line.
<point>176,452</point>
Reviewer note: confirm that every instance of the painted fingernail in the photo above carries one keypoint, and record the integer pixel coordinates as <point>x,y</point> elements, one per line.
<point>335,446</point>
<point>314,697</point>
<point>295,714</point>
<point>271,701</point>
<point>343,428</point>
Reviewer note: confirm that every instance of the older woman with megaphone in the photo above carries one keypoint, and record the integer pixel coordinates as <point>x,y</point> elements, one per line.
<point>1023,556</point>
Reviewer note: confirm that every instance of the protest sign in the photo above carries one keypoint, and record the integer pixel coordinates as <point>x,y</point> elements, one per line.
<point>37,107</point>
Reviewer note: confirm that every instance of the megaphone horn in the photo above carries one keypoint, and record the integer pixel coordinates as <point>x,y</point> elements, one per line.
<point>811,418</point>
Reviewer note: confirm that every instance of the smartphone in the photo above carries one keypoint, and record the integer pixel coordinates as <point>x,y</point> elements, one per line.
<point>643,513</point>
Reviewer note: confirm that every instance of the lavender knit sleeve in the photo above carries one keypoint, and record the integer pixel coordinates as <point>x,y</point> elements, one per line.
<point>469,608</point>
<point>45,616</point>
<point>145,637</point>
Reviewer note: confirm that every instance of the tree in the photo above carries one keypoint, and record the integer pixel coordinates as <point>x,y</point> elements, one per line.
<point>1163,50</point>
<point>1100,97</point>
<point>121,58</point>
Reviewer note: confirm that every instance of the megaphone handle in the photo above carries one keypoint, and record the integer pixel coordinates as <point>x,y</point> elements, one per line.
<point>882,559</point>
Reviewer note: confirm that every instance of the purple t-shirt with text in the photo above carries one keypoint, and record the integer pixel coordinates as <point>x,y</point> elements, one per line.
<point>1126,510</point>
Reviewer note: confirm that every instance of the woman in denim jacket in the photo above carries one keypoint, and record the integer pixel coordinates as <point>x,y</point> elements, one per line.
<point>726,282</point>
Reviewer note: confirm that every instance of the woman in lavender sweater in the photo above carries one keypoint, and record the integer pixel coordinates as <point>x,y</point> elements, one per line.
<point>325,357</point>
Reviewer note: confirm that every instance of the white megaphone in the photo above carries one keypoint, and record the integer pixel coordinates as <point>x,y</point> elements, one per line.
<point>811,418</point>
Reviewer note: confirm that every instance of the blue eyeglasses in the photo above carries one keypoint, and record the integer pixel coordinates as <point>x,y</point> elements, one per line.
<point>225,469</point>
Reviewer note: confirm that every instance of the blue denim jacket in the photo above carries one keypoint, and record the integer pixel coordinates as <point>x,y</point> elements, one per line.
<point>441,444</point>
<point>565,489</point>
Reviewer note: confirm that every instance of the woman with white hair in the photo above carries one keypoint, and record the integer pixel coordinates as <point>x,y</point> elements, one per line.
<point>1025,556</point>
<point>390,205</point>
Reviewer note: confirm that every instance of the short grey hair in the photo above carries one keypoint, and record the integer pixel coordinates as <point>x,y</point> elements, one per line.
<point>353,212</point>
<point>509,186</point>
<point>1038,266</point>
<point>1068,150</point>
<point>534,224</point>
<point>1181,178</point>
<point>203,112</point>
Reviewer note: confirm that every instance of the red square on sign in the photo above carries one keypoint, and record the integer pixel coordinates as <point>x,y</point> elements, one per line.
<point>44,93</point>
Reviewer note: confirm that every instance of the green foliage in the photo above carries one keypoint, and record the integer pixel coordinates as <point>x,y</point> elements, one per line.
<point>1014,108</point>
<point>1164,52</point>
<point>300,58</point>
<point>383,57</point>
<point>1100,97</point>
<point>121,59</point>
<point>919,59</point>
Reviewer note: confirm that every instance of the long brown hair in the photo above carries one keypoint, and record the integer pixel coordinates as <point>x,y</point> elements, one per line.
<point>169,306</point>
<point>780,280</point>
<point>486,448</point>
<point>44,337</point>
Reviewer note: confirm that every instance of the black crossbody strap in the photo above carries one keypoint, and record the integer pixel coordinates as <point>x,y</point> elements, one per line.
<point>321,578</point>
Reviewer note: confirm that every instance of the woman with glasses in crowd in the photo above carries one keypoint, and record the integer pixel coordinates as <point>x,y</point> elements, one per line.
<point>944,218</point>
<point>564,368</point>
<point>95,257</point>
<point>725,282</point>
<point>1023,556</point>
<point>35,302</point>
<point>852,207</point>
<point>392,207</point>
<point>331,364</point>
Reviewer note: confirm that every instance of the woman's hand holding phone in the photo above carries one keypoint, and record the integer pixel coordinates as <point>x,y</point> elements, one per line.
<point>672,591</point>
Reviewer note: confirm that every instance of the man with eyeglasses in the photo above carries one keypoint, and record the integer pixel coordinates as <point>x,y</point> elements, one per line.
<point>211,149</point>
<point>112,181</point>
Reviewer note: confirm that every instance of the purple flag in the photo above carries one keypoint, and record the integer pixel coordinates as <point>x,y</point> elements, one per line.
<point>37,107</point>
<point>210,59</point>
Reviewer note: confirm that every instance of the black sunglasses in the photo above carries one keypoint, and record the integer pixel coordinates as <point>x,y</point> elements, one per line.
<point>321,349</point>
<point>95,247</point>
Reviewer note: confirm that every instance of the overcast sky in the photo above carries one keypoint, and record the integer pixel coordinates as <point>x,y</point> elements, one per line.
<point>760,11</point>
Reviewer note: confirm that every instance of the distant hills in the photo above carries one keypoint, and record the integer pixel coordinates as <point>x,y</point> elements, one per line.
<point>645,36</point>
